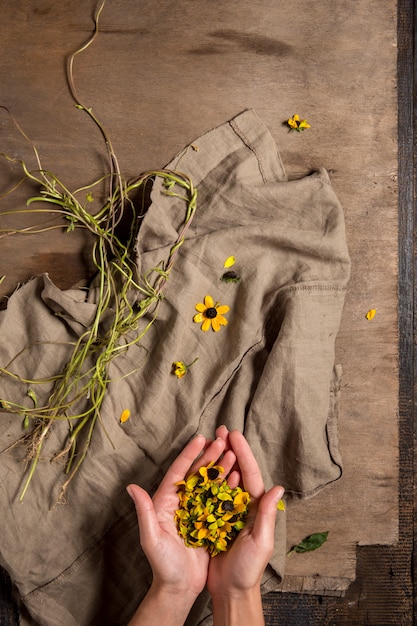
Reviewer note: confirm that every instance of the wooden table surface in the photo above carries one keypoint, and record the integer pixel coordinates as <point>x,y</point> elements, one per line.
<point>383,592</point>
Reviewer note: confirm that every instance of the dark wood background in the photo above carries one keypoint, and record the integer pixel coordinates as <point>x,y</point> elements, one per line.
<point>383,592</point>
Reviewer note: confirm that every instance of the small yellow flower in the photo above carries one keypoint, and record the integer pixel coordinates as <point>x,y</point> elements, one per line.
<point>211,472</point>
<point>124,416</point>
<point>295,123</point>
<point>210,314</point>
<point>370,314</point>
<point>179,368</point>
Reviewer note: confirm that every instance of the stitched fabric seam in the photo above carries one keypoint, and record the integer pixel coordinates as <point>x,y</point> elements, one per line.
<point>248,144</point>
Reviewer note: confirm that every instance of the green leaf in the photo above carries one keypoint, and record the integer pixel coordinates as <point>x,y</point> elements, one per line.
<point>310,543</point>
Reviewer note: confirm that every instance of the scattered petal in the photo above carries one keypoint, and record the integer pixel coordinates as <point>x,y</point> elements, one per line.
<point>281,505</point>
<point>229,262</point>
<point>370,314</point>
<point>124,416</point>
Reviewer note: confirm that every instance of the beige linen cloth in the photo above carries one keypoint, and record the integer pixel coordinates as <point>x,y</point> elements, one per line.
<point>270,373</point>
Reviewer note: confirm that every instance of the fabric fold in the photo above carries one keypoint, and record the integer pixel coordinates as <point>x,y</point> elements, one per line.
<point>269,372</point>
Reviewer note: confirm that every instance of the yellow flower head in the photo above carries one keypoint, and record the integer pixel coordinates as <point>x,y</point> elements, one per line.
<point>179,368</point>
<point>211,472</point>
<point>295,123</point>
<point>210,314</point>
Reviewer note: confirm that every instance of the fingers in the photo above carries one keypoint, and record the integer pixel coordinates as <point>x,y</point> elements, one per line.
<point>251,474</point>
<point>212,452</point>
<point>183,462</point>
<point>145,511</point>
<point>264,525</point>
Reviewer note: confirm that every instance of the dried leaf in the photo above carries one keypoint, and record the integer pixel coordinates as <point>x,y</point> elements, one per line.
<point>310,543</point>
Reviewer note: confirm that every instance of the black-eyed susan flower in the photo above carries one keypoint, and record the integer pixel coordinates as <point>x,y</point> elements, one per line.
<point>297,124</point>
<point>210,513</point>
<point>210,314</point>
<point>210,473</point>
<point>179,368</point>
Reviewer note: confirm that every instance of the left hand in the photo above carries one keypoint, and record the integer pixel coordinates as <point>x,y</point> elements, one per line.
<point>176,568</point>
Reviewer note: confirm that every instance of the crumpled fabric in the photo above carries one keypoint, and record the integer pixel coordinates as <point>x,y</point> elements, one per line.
<point>269,372</point>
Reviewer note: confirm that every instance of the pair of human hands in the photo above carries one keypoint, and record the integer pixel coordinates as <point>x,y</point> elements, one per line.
<point>186,571</point>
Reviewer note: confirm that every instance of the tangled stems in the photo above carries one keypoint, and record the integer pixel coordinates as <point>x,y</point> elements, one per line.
<point>124,298</point>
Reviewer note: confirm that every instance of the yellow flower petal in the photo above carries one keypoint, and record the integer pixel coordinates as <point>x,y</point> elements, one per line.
<point>209,302</point>
<point>229,261</point>
<point>281,505</point>
<point>215,324</point>
<point>370,314</point>
<point>223,308</point>
<point>200,306</point>
<point>205,326</point>
<point>124,416</point>
<point>222,320</point>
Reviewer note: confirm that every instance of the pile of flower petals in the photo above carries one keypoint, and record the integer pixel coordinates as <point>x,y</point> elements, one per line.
<point>211,514</point>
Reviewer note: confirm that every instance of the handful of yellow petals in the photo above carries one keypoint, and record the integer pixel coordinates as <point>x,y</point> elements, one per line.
<point>211,514</point>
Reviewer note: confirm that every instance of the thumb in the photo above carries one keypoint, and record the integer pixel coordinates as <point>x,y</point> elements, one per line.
<point>264,526</point>
<point>145,512</point>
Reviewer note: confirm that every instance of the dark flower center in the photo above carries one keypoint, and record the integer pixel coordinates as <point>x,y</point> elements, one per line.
<point>211,312</point>
<point>228,505</point>
<point>212,473</point>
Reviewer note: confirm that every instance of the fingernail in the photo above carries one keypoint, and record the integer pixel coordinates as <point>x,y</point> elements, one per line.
<point>280,493</point>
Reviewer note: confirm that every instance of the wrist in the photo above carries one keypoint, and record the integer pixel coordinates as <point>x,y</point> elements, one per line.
<point>164,604</point>
<point>238,607</point>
